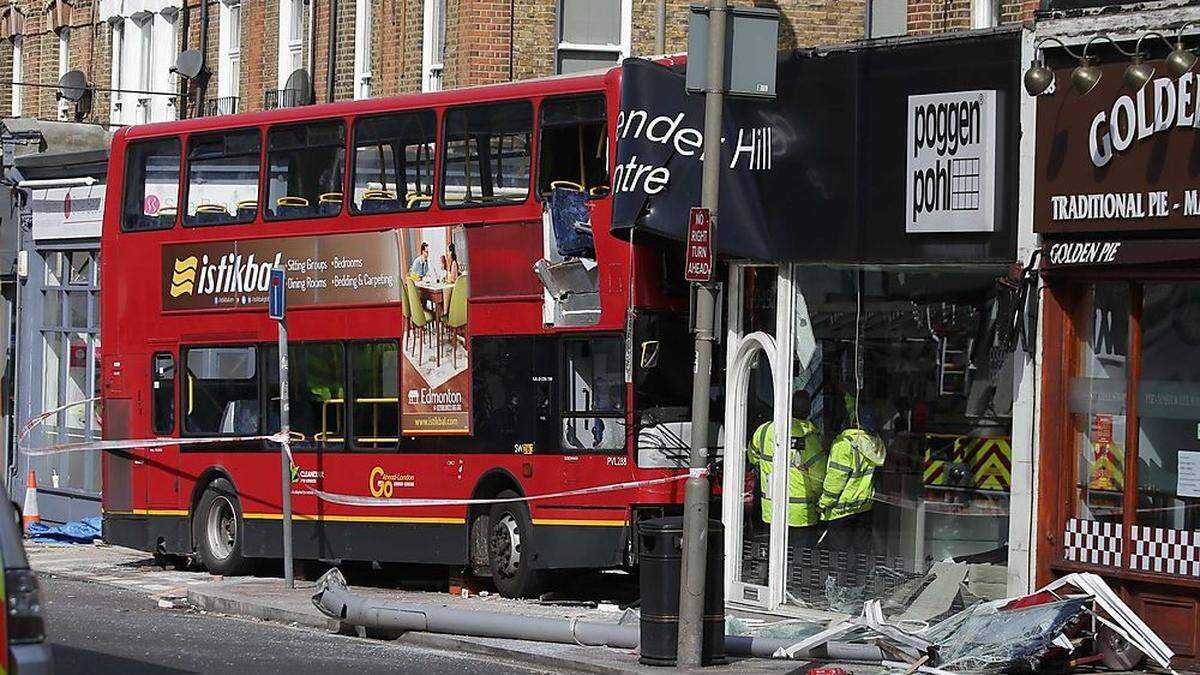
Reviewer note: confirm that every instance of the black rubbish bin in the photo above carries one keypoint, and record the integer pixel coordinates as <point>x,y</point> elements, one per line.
<point>660,556</point>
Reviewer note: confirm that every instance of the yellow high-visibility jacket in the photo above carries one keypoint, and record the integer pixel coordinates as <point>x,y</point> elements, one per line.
<point>806,470</point>
<point>849,485</point>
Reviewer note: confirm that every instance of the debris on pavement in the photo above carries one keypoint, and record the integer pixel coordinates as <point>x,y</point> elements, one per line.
<point>941,628</point>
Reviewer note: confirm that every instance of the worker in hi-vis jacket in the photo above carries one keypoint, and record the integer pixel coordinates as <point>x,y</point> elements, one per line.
<point>848,491</point>
<point>806,473</point>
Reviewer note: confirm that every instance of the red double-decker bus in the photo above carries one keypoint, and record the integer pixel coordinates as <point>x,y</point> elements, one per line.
<point>450,335</point>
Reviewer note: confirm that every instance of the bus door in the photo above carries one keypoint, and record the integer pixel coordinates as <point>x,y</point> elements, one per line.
<point>159,464</point>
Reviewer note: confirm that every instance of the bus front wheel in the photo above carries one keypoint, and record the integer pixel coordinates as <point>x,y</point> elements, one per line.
<point>218,530</point>
<point>510,549</point>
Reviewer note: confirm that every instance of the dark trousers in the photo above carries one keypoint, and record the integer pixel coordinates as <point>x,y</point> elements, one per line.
<point>849,543</point>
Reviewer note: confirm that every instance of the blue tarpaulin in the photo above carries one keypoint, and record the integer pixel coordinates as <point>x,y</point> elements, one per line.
<point>75,532</point>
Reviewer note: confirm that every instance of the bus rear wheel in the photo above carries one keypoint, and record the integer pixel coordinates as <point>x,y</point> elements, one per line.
<point>218,530</point>
<point>510,549</point>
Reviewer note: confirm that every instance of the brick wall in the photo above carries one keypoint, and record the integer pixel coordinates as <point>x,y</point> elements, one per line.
<point>486,41</point>
<point>343,69</point>
<point>926,17</point>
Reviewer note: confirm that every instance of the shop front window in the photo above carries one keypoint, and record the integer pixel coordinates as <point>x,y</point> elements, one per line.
<point>1096,401</point>
<point>70,354</point>
<point>900,453</point>
<point>1168,476</point>
<point>1134,407</point>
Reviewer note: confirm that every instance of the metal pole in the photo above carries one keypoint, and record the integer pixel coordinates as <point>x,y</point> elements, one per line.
<point>698,490</point>
<point>285,462</point>
<point>660,28</point>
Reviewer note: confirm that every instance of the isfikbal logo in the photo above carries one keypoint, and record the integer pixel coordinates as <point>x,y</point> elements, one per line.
<point>183,278</point>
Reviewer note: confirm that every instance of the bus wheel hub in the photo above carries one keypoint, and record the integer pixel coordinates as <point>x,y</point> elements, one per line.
<point>506,545</point>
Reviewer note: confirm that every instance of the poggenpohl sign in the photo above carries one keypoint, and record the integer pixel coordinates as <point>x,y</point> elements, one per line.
<point>886,153</point>
<point>951,162</point>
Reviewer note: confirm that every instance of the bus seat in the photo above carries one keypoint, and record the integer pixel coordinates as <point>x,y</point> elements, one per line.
<point>379,201</point>
<point>330,203</point>
<point>291,206</point>
<point>240,417</point>
<point>166,216</point>
<point>572,223</point>
<point>211,214</point>
<point>416,200</point>
<point>247,209</point>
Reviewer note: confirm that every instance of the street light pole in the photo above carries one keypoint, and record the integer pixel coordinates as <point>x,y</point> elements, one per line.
<point>698,491</point>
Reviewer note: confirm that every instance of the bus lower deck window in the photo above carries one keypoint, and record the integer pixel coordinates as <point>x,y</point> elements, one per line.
<point>305,170</point>
<point>393,162</point>
<point>375,392</point>
<point>163,396</point>
<point>316,393</point>
<point>593,408</point>
<point>151,199</point>
<point>221,396</point>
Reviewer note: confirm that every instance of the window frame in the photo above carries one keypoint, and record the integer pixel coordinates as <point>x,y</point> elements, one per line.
<point>117,34</point>
<point>444,142</point>
<point>268,366</point>
<point>172,399</point>
<point>561,395</point>
<point>540,141</point>
<point>352,159</point>
<point>351,442</point>
<point>622,49</point>
<point>433,44</point>
<point>872,32</point>
<point>289,47</point>
<point>18,74</point>
<point>363,32</point>
<point>64,65</point>
<point>185,391</point>
<point>125,182</point>
<point>1061,347</point>
<point>186,176</point>
<point>265,172</point>
<point>229,49</point>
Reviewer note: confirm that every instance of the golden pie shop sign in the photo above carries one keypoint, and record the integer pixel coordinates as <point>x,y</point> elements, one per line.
<point>332,269</point>
<point>1118,160</point>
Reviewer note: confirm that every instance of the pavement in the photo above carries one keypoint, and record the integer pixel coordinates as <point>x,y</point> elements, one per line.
<point>265,599</point>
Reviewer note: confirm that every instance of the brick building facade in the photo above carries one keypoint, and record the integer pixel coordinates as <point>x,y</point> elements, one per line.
<point>380,47</point>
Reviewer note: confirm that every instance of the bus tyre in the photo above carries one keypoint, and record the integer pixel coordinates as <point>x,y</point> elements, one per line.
<point>510,549</point>
<point>218,530</point>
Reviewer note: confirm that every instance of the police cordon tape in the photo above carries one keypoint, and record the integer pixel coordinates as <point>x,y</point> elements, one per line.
<point>331,497</point>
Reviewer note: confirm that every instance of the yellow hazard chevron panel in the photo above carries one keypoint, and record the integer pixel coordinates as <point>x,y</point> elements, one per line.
<point>982,463</point>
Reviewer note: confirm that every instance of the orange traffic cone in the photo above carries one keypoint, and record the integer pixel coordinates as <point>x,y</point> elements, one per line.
<point>30,513</point>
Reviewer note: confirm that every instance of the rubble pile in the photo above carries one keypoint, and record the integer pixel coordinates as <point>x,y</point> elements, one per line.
<point>1074,622</point>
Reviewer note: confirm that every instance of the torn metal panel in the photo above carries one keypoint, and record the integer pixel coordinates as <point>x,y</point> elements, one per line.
<point>1135,630</point>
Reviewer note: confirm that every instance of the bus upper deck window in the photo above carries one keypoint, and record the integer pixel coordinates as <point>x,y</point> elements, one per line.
<point>305,170</point>
<point>393,162</point>
<point>487,154</point>
<point>151,185</point>
<point>574,146</point>
<point>222,185</point>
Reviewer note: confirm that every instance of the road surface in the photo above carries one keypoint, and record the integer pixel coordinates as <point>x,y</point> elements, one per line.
<point>98,629</point>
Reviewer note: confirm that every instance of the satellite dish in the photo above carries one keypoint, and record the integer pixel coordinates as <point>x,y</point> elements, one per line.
<point>300,84</point>
<point>73,85</point>
<point>189,64</point>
